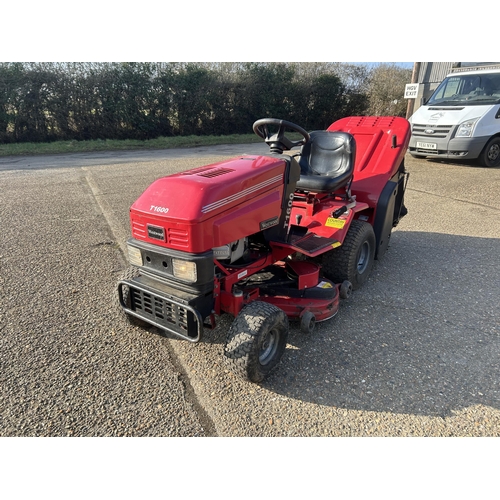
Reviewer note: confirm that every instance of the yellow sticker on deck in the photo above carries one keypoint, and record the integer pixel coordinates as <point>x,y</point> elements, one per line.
<point>337,223</point>
<point>324,284</point>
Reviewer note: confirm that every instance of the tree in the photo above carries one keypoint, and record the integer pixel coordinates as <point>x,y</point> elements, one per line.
<point>267,91</point>
<point>326,101</point>
<point>61,101</point>
<point>190,99</point>
<point>386,90</point>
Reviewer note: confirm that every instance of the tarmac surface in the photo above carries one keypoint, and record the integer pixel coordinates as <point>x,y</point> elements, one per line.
<point>414,352</point>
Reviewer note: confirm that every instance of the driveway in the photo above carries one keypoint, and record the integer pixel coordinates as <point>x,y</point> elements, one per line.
<point>415,352</point>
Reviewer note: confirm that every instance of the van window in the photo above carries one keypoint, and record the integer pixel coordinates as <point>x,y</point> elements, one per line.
<point>467,90</point>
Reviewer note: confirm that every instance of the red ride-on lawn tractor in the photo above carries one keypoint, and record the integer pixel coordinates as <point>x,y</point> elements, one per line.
<point>266,238</point>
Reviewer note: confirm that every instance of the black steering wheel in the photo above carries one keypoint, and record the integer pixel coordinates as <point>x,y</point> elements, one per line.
<point>277,141</point>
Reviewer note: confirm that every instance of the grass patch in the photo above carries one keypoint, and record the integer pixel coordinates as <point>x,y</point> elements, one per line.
<point>59,147</point>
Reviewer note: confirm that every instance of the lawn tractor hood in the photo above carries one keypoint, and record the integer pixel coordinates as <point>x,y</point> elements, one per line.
<point>199,209</point>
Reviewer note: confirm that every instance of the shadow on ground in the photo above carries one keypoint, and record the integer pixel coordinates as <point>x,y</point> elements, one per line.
<point>421,337</point>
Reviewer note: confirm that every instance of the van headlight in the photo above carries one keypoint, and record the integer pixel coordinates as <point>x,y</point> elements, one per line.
<point>184,270</point>
<point>465,129</point>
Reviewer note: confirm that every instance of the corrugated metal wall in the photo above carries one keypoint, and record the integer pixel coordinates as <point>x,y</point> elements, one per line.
<point>434,72</point>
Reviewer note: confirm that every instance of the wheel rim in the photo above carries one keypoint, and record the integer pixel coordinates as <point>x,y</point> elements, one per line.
<point>364,257</point>
<point>312,324</point>
<point>269,347</point>
<point>493,152</point>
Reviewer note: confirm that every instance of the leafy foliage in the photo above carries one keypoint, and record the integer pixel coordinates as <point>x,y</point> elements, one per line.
<point>386,90</point>
<point>42,102</point>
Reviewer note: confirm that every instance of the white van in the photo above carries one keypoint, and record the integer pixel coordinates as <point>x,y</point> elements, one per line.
<point>461,120</point>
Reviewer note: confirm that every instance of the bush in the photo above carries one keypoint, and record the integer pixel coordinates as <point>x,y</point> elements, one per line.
<point>42,102</point>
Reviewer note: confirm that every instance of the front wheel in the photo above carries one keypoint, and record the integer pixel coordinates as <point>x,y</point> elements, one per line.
<point>256,341</point>
<point>490,156</point>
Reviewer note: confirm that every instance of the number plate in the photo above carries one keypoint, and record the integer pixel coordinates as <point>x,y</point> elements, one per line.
<point>426,145</point>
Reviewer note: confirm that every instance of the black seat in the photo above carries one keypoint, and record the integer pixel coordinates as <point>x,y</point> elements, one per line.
<point>326,161</point>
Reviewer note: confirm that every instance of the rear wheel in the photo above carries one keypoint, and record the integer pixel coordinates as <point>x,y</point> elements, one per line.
<point>353,261</point>
<point>490,156</point>
<point>256,341</point>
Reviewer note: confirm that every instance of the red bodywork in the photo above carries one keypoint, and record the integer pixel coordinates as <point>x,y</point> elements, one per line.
<point>381,144</point>
<point>211,206</point>
<point>215,205</point>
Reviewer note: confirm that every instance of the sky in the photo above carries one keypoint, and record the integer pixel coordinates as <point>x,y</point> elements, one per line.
<point>220,30</point>
<point>407,65</point>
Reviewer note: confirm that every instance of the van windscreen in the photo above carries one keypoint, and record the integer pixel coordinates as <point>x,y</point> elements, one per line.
<point>468,90</point>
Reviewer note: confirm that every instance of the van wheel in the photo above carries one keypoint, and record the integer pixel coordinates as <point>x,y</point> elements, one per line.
<point>490,156</point>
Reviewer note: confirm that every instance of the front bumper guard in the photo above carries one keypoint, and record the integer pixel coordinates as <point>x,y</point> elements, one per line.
<point>162,310</point>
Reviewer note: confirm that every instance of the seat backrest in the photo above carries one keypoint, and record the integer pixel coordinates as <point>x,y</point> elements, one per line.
<point>329,155</point>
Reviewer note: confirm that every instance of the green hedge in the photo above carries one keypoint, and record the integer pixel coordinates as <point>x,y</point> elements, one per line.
<point>41,102</point>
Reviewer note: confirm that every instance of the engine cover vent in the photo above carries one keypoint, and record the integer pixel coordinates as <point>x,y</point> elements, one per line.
<point>209,172</point>
<point>216,172</point>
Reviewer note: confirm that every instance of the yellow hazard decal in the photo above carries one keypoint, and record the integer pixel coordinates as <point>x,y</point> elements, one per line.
<point>337,223</point>
<point>336,244</point>
<point>324,284</point>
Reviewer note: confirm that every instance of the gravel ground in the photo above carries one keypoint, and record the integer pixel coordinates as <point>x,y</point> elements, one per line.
<point>69,364</point>
<point>415,352</point>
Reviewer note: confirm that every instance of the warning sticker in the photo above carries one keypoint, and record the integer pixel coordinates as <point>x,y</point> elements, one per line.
<point>337,223</point>
<point>324,284</point>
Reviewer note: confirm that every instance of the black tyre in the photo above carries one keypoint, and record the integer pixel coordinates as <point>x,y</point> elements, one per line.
<point>490,156</point>
<point>345,290</point>
<point>130,273</point>
<point>353,261</point>
<point>307,322</point>
<point>256,341</point>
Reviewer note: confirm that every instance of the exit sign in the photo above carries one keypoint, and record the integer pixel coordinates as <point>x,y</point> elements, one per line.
<point>411,90</point>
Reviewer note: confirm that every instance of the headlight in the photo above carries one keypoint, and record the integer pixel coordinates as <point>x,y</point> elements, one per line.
<point>184,270</point>
<point>465,129</point>
<point>134,256</point>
